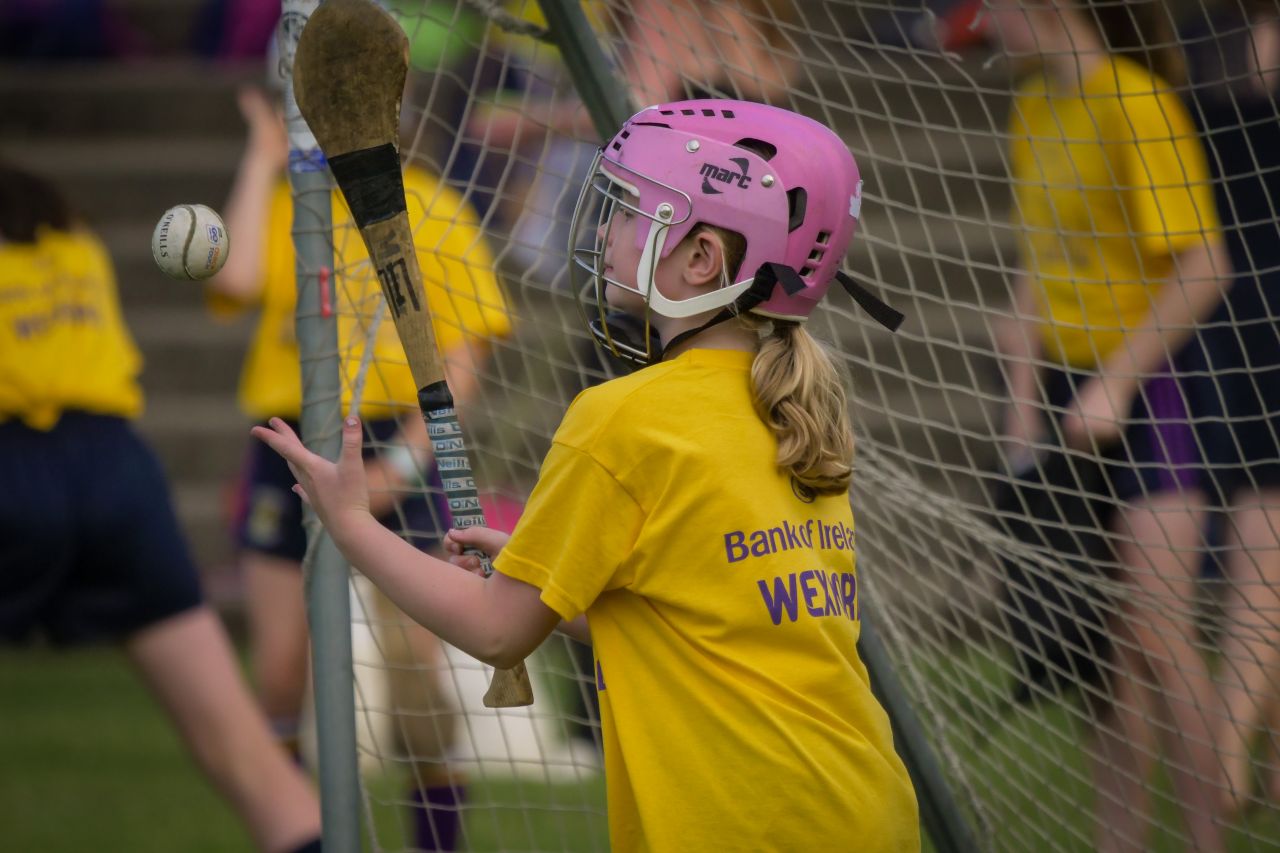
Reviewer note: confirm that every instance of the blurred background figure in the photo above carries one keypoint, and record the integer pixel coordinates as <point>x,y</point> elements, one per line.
<point>235,30</point>
<point>90,548</point>
<point>1120,257</point>
<point>666,51</point>
<point>468,313</point>
<point>1235,64</point>
<point>44,30</point>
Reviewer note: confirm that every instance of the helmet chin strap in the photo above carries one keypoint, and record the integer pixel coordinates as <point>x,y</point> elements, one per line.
<point>622,332</point>
<point>760,289</point>
<point>880,311</point>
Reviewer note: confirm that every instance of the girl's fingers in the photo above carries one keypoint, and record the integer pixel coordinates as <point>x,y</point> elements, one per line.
<point>282,440</point>
<point>283,428</point>
<point>1071,431</point>
<point>352,443</point>
<point>483,538</point>
<point>302,493</point>
<point>466,561</point>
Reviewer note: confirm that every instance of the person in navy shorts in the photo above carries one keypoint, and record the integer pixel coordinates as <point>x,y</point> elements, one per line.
<point>90,549</point>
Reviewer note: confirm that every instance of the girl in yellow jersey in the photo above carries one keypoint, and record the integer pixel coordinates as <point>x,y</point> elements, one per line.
<point>468,312</point>
<point>696,511</point>
<point>89,546</point>
<point>1121,256</point>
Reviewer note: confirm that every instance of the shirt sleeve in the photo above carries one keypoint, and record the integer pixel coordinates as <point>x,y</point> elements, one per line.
<point>576,534</point>
<point>1168,193</point>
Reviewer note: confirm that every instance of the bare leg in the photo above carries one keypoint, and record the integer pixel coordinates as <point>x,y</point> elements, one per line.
<point>279,651</point>
<point>1124,752</point>
<point>1161,542</point>
<point>426,714</point>
<point>189,664</point>
<point>1271,770</point>
<point>1251,647</point>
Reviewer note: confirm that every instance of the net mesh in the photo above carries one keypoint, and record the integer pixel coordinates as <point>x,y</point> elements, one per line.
<point>1089,635</point>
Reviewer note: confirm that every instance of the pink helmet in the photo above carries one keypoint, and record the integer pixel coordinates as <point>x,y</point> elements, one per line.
<point>786,183</point>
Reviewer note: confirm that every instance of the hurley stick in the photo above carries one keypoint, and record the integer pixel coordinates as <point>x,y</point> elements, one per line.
<point>348,76</point>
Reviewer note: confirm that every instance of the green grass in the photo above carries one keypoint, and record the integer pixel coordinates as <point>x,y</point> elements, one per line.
<point>90,763</point>
<point>1030,774</point>
<point>87,762</point>
<point>507,814</point>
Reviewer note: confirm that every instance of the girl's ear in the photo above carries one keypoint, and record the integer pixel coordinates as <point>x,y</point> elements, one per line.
<point>704,265</point>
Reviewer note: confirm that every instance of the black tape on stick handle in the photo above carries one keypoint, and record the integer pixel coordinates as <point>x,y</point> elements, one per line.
<point>371,182</point>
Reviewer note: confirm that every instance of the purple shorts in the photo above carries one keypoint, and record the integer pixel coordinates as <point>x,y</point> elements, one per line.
<point>1158,451</point>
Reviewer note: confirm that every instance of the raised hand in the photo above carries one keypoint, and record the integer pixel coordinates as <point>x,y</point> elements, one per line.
<point>1096,419</point>
<point>336,491</point>
<point>267,140</point>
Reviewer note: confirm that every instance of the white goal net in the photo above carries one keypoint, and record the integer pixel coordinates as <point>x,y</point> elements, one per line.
<point>1078,588</point>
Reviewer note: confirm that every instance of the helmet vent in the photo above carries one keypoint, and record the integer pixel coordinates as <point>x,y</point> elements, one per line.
<point>706,112</point>
<point>823,238</point>
<point>766,150</point>
<point>797,200</point>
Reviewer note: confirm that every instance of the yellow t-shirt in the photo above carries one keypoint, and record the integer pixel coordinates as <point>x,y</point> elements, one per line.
<point>467,305</point>
<point>724,612</point>
<point>1110,183</point>
<point>63,341</point>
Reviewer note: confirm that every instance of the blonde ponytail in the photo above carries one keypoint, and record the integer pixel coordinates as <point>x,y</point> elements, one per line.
<point>799,393</point>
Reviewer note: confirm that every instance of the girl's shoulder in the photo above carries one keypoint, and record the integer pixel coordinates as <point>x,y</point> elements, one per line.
<point>1129,101</point>
<point>612,410</point>
<point>1130,81</point>
<point>54,248</point>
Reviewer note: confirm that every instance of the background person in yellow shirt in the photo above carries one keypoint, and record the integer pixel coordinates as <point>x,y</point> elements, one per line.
<point>697,510</point>
<point>1120,257</point>
<point>468,311</point>
<point>90,548</point>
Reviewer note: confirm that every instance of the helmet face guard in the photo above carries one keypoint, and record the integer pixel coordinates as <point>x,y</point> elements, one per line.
<point>604,197</point>
<point>664,217</point>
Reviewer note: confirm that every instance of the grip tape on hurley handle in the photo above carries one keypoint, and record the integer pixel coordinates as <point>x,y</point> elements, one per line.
<point>509,687</point>
<point>453,462</point>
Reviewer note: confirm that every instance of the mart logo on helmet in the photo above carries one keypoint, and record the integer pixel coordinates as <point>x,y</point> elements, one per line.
<point>711,172</point>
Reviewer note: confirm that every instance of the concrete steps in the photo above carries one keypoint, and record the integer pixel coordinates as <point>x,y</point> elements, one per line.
<point>158,172</point>
<point>95,102</point>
